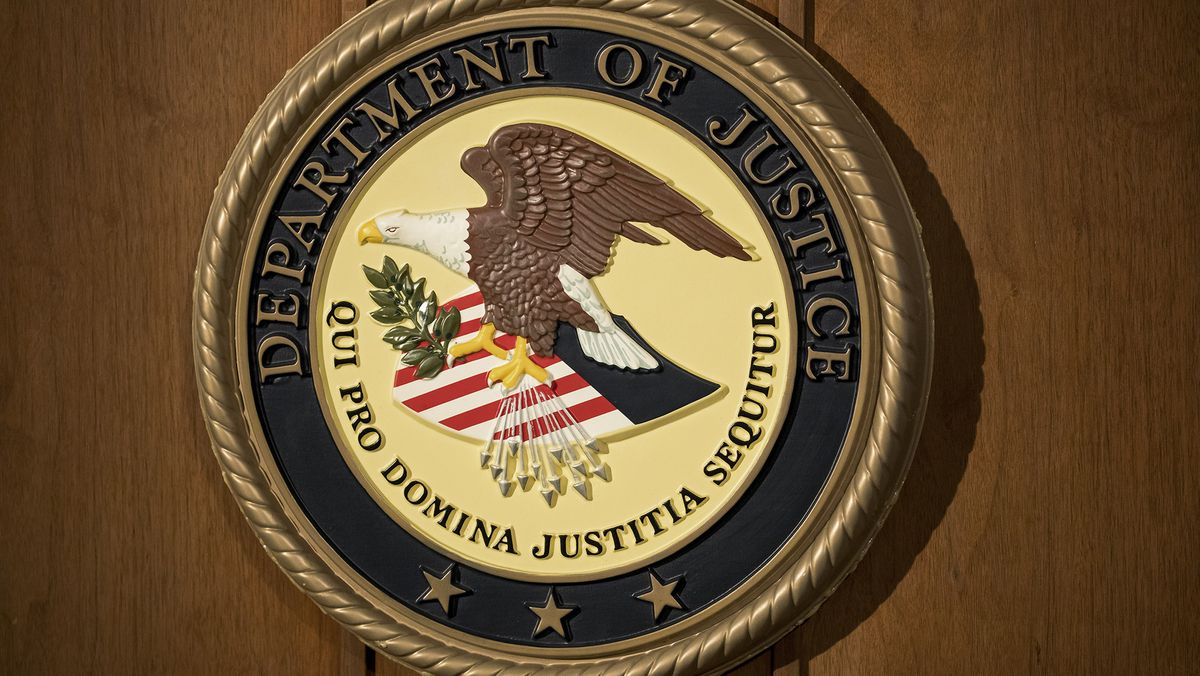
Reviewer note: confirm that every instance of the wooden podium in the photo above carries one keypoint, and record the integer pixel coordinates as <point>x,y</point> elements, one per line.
<point>1049,521</point>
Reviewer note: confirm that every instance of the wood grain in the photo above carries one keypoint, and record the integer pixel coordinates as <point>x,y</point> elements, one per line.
<point>123,550</point>
<point>769,9</point>
<point>1048,525</point>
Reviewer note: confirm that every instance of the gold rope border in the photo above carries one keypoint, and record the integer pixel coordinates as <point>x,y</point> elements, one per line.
<point>836,128</point>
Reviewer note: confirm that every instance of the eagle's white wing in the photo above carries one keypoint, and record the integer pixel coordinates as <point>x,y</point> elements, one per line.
<point>610,345</point>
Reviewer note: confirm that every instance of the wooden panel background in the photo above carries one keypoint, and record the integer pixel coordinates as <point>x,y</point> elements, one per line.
<point>1048,525</point>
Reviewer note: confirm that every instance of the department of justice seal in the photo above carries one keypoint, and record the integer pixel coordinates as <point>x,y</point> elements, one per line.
<point>591,337</point>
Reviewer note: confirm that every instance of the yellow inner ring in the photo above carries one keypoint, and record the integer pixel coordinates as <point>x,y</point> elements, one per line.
<point>694,308</point>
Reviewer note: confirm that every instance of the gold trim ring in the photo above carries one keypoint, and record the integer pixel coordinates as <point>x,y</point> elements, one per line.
<point>874,204</point>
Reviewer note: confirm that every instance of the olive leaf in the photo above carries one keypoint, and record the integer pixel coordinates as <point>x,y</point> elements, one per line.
<point>427,311</point>
<point>376,278</point>
<point>387,316</point>
<point>416,357</point>
<point>390,269</point>
<point>402,332</point>
<point>448,323</point>
<point>430,368</point>
<point>420,327</point>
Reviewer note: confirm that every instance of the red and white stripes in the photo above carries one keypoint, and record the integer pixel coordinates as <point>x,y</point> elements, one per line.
<point>459,398</point>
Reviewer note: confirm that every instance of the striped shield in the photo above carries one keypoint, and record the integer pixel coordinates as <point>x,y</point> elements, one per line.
<point>602,399</point>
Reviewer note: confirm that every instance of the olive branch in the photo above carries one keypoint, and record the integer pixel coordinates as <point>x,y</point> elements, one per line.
<point>420,327</point>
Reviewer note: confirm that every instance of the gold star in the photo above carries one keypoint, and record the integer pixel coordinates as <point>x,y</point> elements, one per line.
<point>661,595</point>
<point>551,615</point>
<point>442,589</point>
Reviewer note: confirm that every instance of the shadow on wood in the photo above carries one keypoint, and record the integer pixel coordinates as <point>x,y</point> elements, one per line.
<point>954,405</point>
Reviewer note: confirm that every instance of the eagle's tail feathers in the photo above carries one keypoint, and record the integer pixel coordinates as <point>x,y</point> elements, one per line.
<point>615,348</point>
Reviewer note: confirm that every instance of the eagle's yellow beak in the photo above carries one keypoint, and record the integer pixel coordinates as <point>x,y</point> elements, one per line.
<point>369,234</point>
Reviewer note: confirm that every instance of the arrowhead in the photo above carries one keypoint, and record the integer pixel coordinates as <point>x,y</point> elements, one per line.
<point>584,488</point>
<point>604,472</point>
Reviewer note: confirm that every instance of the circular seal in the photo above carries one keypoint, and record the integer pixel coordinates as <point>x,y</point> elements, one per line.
<point>592,337</point>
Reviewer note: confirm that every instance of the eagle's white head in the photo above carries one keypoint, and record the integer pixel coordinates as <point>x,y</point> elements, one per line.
<point>442,235</point>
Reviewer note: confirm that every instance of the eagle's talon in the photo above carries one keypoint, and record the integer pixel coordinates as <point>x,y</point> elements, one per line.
<point>519,366</point>
<point>483,341</point>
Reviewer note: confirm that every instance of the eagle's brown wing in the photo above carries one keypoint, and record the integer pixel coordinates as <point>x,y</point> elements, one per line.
<point>573,196</point>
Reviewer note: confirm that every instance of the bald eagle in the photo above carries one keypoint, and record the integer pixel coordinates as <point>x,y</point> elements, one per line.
<point>557,203</point>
